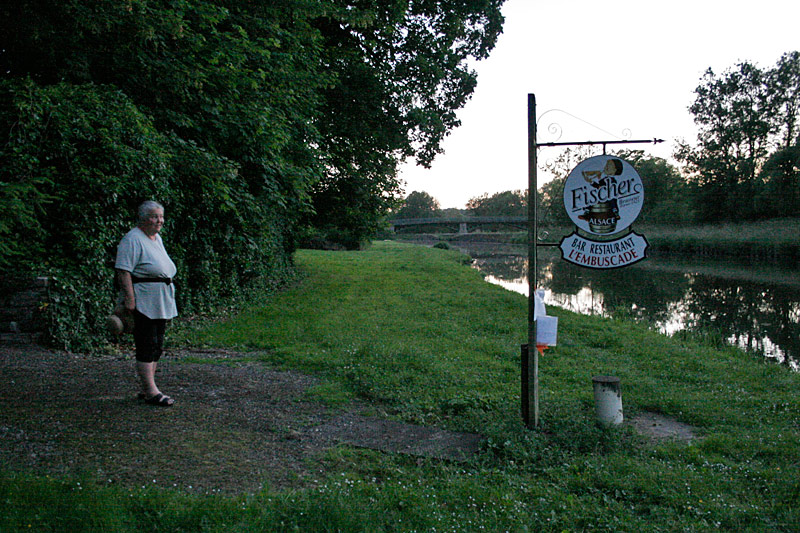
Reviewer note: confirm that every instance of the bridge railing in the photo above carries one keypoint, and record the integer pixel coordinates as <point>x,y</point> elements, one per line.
<point>469,220</point>
<point>462,222</point>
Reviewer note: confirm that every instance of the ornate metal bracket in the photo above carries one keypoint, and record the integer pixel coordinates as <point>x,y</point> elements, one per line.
<point>555,128</point>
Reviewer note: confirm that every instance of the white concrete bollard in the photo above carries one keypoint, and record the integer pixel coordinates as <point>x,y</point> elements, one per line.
<point>607,399</point>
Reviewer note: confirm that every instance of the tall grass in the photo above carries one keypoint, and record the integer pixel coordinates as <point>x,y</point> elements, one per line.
<point>769,239</point>
<point>774,232</point>
<point>419,336</point>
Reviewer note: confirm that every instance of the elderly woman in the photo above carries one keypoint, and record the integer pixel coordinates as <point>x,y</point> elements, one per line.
<point>144,272</point>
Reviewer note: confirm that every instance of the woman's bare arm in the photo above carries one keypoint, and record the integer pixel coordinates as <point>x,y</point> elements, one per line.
<point>126,283</point>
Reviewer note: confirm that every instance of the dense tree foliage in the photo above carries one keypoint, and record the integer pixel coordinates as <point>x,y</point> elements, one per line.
<point>744,115</point>
<point>780,195</point>
<point>246,119</point>
<point>73,155</point>
<point>401,73</point>
<point>505,203</point>
<point>419,205</point>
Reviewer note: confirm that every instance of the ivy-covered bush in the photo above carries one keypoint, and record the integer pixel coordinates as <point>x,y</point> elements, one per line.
<point>224,240</point>
<point>75,162</point>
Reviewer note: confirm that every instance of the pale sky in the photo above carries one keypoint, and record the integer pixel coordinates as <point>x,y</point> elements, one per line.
<point>617,64</point>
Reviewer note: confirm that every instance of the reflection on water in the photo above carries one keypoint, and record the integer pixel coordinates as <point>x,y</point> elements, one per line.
<point>755,306</point>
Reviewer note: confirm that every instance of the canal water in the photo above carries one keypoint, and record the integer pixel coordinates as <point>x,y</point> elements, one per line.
<point>747,303</point>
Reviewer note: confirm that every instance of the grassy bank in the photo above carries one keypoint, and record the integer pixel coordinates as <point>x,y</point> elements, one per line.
<point>767,239</point>
<point>418,336</point>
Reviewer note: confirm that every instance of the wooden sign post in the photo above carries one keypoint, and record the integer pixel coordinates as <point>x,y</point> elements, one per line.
<point>531,371</point>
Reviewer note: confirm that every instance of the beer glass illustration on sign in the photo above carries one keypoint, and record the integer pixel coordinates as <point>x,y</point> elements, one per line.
<point>602,216</point>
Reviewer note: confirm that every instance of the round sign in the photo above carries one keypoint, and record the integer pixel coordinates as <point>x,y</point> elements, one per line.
<point>603,195</point>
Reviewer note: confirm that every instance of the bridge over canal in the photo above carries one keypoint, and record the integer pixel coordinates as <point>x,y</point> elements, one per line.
<point>462,225</point>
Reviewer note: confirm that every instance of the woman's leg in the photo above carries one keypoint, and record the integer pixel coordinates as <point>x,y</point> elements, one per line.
<point>149,338</point>
<point>147,375</point>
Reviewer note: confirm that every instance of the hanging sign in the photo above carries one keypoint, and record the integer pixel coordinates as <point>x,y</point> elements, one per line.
<point>603,196</point>
<point>604,254</point>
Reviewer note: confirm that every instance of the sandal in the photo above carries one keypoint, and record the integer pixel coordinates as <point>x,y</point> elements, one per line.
<point>161,400</point>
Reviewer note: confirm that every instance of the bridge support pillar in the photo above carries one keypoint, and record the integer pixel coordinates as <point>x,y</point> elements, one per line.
<point>462,228</point>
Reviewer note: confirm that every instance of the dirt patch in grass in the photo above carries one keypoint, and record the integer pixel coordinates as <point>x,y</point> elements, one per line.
<point>397,437</point>
<point>657,427</point>
<point>235,427</point>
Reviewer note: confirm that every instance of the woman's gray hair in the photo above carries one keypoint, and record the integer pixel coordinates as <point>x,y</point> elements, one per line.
<point>148,207</point>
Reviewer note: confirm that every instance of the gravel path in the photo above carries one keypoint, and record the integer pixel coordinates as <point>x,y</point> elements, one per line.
<point>235,427</point>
